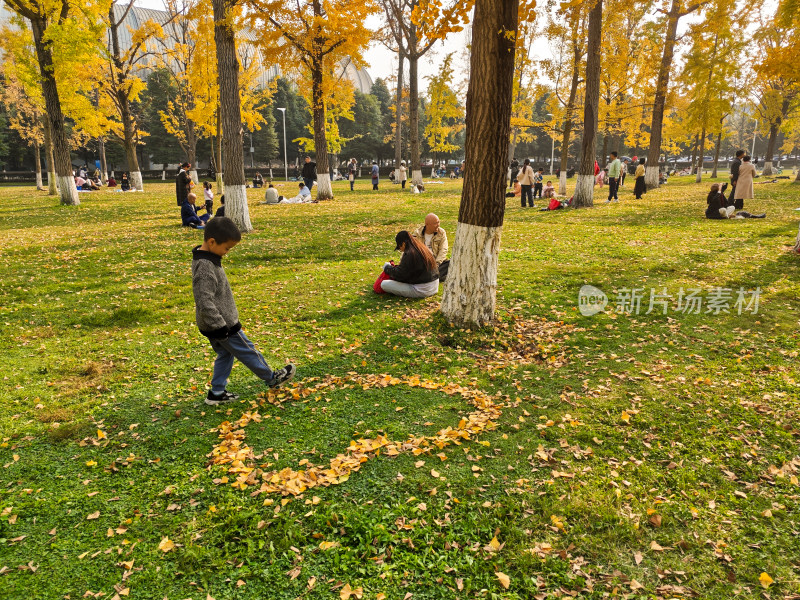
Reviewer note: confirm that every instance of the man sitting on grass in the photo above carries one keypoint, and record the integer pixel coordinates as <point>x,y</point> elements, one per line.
<point>303,197</point>
<point>271,195</point>
<point>435,239</point>
<point>189,216</point>
<point>217,317</point>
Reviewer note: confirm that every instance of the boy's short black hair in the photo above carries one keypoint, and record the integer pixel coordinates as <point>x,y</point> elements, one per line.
<point>221,230</point>
<point>614,153</point>
<point>740,153</point>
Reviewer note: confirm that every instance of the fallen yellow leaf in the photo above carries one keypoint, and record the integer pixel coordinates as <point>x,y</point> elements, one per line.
<point>765,580</point>
<point>166,545</point>
<point>328,545</point>
<point>101,435</point>
<point>505,580</point>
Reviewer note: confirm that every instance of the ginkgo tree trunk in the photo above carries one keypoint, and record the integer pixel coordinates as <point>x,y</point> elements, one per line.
<point>58,134</point>
<point>52,189</point>
<point>123,86</point>
<point>230,115</point>
<point>584,188</point>
<point>676,12</point>
<point>471,284</point>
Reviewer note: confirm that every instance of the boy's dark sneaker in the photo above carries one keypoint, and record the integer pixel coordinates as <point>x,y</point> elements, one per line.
<point>281,376</point>
<point>214,399</point>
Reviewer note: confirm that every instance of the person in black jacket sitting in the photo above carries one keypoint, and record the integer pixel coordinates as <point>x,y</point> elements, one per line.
<point>417,275</point>
<point>720,207</point>
<point>189,216</point>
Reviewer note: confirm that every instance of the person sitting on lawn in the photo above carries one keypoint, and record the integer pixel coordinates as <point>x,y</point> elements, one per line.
<point>221,210</point>
<point>189,216</point>
<point>218,319</point>
<point>303,197</point>
<point>600,179</point>
<point>434,237</point>
<point>549,191</point>
<point>112,182</point>
<point>417,275</point>
<point>720,207</point>
<point>258,181</point>
<point>517,193</point>
<point>271,195</point>
<point>125,183</point>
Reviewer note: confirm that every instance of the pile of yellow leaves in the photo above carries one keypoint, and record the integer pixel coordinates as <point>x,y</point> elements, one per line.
<point>232,451</point>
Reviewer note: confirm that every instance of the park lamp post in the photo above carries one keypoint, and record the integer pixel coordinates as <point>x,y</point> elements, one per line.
<point>755,132</point>
<point>285,153</point>
<point>553,143</point>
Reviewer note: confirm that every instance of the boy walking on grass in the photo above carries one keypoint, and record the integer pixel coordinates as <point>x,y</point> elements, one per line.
<point>217,317</point>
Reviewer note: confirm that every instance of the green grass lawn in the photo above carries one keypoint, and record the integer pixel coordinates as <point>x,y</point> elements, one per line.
<point>634,455</point>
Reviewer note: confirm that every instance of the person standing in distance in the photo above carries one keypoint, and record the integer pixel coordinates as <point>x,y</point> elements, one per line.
<point>309,172</point>
<point>735,165</point>
<point>183,183</point>
<point>614,171</point>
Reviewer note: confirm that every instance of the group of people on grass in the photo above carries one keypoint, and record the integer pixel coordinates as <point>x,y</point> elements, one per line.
<point>187,200</point>
<point>89,183</point>
<point>719,206</point>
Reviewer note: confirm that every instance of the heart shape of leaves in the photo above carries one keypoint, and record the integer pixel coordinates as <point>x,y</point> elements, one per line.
<point>232,452</point>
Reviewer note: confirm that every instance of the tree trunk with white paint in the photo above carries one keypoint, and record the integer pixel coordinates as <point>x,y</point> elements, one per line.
<point>230,115</point>
<point>470,289</point>
<point>413,114</point>
<point>135,177</point>
<point>398,118</point>
<point>324,188</point>
<point>584,187</point>
<point>37,163</point>
<point>52,190</point>
<point>676,12</point>
<point>193,176</point>
<point>573,92</point>
<point>55,116</point>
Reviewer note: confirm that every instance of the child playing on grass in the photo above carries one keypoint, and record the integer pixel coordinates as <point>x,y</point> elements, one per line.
<point>549,191</point>
<point>537,183</point>
<point>217,317</point>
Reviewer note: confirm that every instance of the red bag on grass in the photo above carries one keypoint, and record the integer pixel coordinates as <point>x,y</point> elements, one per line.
<point>377,286</point>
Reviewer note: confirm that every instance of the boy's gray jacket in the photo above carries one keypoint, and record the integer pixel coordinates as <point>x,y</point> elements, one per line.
<point>215,308</point>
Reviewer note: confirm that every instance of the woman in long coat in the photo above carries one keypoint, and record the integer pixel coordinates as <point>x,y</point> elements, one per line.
<point>744,183</point>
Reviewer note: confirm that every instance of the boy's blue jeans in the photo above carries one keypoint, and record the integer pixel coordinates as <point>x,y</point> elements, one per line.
<point>236,346</point>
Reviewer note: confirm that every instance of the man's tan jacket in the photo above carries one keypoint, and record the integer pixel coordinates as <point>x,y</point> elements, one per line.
<point>438,246</point>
